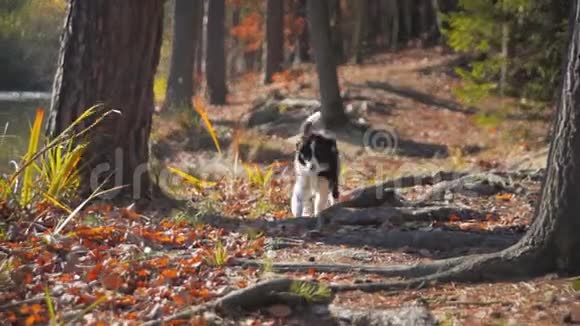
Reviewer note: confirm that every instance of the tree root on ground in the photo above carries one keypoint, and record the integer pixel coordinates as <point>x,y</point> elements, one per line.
<point>436,240</point>
<point>383,193</point>
<point>407,271</point>
<point>277,291</point>
<point>516,262</point>
<point>382,214</point>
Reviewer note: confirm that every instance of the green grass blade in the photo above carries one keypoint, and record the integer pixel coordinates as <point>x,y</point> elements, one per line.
<point>27,180</point>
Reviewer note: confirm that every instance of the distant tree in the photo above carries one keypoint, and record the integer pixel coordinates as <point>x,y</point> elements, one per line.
<point>333,114</point>
<point>302,41</point>
<point>274,53</point>
<point>360,29</point>
<point>180,80</point>
<point>215,56</point>
<point>109,54</point>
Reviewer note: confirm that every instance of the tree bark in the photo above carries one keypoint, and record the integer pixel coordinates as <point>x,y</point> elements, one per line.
<point>216,59</point>
<point>333,114</point>
<point>274,53</point>
<point>109,54</point>
<point>556,225</point>
<point>180,81</point>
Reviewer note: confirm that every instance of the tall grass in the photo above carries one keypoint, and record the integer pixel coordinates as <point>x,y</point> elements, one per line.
<point>49,173</point>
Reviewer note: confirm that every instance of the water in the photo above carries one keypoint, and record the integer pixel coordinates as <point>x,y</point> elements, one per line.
<point>17,112</point>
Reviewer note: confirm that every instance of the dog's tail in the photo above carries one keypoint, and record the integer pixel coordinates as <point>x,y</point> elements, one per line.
<point>309,123</point>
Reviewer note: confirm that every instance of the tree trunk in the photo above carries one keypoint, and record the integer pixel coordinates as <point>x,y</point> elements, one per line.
<point>333,114</point>
<point>556,225</point>
<point>201,40</point>
<point>274,52</point>
<point>180,81</point>
<point>97,64</point>
<point>407,17</point>
<point>360,30</point>
<point>334,15</point>
<point>215,58</point>
<point>301,48</point>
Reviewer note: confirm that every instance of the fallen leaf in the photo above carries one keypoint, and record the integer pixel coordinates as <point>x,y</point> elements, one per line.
<point>112,281</point>
<point>504,196</point>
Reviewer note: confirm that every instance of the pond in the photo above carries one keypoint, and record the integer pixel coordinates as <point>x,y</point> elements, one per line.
<point>16,116</point>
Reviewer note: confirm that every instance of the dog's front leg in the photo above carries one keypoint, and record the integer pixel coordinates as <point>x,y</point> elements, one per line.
<point>299,194</point>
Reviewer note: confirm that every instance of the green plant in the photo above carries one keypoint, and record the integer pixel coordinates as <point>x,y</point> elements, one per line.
<point>258,177</point>
<point>518,42</point>
<point>267,266</point>
<point>311,292</point>
<point>49,173</point>
<point>218,256</point>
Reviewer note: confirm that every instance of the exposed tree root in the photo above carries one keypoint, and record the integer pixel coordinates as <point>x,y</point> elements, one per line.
<point>258,295</point>
<point>516,262</point>
<point>411,315</point>
<point>407,271</point>
<point>436,240</point>
<point>379,215</point>
<point>270,292</point>
<point>382,193</point>
<point>480,184</point>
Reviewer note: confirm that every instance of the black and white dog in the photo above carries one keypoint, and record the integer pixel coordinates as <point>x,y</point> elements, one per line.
<point>317,167</point>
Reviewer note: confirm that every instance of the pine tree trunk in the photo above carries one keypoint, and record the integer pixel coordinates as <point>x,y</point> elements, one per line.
<point>274,52</point>
<point>180,81</point>
<point>556,226</point>
<point>109,54</point>
<point>215,72</point>
<point>333,114</point>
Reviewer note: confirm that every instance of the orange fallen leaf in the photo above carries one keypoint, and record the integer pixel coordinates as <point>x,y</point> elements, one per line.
<point>505,196</point>
<point>112,281</point>
<point>170,273</point>
<point>454,218</point>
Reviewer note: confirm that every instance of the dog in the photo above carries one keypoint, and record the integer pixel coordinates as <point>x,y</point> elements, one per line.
<point>317,168</point>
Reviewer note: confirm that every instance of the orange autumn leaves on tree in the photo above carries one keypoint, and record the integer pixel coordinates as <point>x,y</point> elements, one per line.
<point>250,31</point>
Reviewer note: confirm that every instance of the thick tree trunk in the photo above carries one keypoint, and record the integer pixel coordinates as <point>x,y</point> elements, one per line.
<point>274,52</point>
<point>216,60</point>
<point>180,81</point>
<point>556,225</point>
<point>333,114</point>
<point>109,54</point>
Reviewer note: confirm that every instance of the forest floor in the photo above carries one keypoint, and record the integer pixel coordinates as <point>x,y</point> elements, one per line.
<point>238,229</point>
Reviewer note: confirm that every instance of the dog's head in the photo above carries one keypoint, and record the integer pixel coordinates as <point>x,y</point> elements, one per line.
<point>315,153</point>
